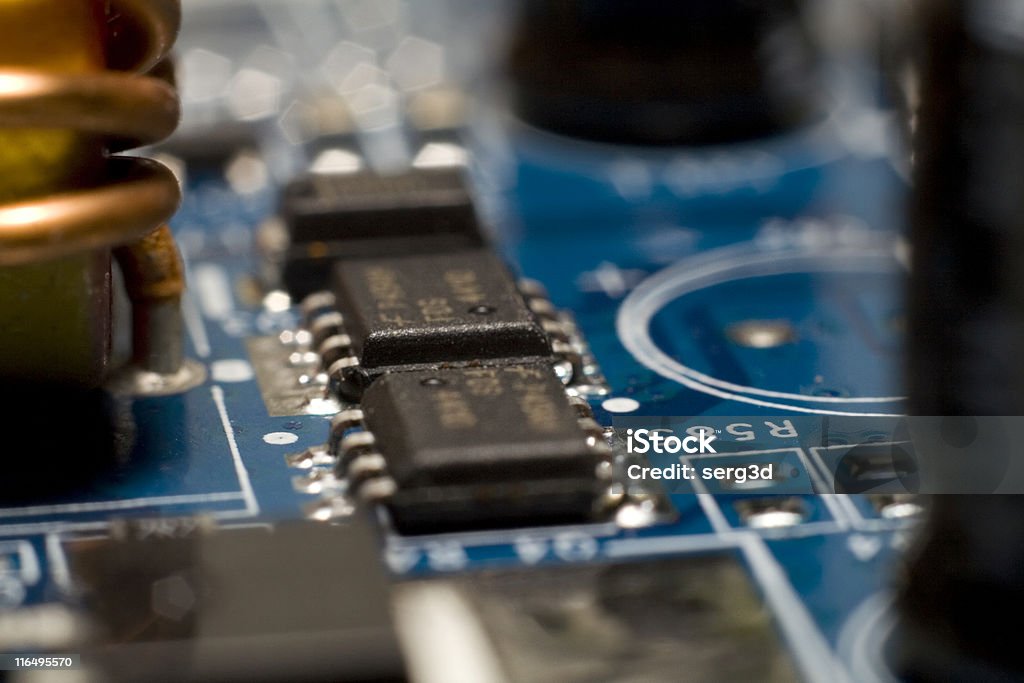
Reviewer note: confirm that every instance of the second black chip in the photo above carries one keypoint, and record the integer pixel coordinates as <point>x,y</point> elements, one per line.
<point>481,448</point>
<point>435,309</point>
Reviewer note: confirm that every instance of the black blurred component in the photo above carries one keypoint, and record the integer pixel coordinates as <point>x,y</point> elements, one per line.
<point>128,577</point>
<point>966,328</point>
<point>966,334</point>
<point>179,600</point>
<point>698,618</point>
<point>437,308</point>
<point>42,469</point>
<point>655,72</point>
<point>480,448</point>
<point>364,214</point>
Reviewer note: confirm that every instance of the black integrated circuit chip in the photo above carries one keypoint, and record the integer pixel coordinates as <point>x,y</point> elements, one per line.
<point>481,447</point>
<point>422,311</point>
<point>329,217</point>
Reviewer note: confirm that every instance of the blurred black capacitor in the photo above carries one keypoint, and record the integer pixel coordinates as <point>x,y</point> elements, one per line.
<point>663,72</point>
<point>962,595</point>
<point>967,291</point>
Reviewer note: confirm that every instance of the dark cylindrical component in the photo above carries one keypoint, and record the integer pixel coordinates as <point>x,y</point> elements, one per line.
<point>966,336</point>
<point>662,72</point>
<point>966,302</point>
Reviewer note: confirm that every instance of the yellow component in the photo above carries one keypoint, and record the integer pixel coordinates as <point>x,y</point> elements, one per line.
<point>72,85</point>
<point>54,316</point>
<point>59,195</point>
<point>57,36</point>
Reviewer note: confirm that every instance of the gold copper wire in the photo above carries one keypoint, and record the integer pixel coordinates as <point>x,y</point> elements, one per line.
<point>124,106</point>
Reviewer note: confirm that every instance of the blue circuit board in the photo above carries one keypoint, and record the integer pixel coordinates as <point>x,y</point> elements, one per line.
<point>657,254</point>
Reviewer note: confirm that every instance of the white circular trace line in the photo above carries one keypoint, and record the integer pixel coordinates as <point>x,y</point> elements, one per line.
<point>728,265</point>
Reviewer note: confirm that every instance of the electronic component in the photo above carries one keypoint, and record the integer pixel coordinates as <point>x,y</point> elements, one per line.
<point>697,618</point>
<point>475,447</point>
<point>64,205</point>
<point>964,334</point>
<point>56,314</point>
<point>677,73</point>
<point>425,311</point>
<point>331,216</point>
<point>713,280</point>
<point>180,600</point>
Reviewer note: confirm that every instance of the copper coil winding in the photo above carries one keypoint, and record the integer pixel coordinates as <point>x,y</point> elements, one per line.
<point>131,104</point>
